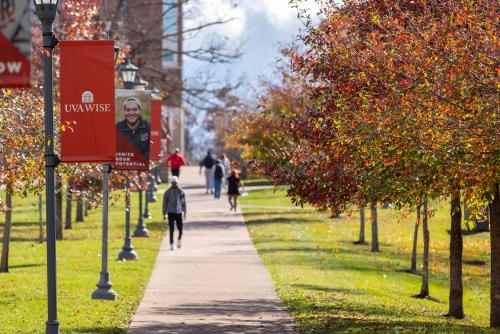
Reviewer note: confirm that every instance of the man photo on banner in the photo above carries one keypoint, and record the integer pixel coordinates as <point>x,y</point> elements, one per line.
<point>135,129</point>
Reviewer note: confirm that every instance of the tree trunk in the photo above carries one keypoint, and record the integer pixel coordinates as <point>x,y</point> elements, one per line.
<point>69,196</point>
<point>373,209</point>
<point>361,226</point>
<point>86,207</point>
<point>424,290</point>
<point>58,208</point>
<point>456,309</point>
<point>40,218</point>
<point>4,262</point>
<point>79,209</point>
<point>335,212</point>
<point>413,267</point>
<point>495,259</point>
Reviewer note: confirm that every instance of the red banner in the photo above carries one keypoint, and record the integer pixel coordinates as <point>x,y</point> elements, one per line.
<point>133,130</point>
<point>15,43</point>
<point>87,101</point>
<point>155,130</point>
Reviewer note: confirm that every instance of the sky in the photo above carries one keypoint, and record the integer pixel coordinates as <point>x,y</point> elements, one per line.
<point>263,26</point>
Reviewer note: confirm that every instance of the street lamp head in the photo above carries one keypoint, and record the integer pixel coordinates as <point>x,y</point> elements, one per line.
<point>46,10</point>
<point>46,2</point>
<point>139,83</point>
<point>156,94</point>
<point>128,72</point>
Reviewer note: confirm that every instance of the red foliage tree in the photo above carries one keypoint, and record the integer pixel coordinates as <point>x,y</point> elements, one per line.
<point>402,98</point>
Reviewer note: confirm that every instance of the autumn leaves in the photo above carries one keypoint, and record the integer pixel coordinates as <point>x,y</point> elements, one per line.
<point>388,101</point>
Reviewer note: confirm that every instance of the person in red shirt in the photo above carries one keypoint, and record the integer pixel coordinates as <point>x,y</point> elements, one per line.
<point>175,162</point>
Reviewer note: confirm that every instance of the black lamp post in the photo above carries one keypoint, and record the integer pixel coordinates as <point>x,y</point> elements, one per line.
<point>141,229</point>
<point>128,72</point>
<point>152,189</point>
<point>104,287</point>
<point>127,252</point>
<point>46,10</point>
<point>147,214</point>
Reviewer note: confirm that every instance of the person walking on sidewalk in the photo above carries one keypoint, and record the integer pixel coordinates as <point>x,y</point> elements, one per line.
<point>233,189</point>
<point>176,161</point>
<point>174,208</point>
<point>208,162</point>
<point>226,163</point>
<point>218,175</point>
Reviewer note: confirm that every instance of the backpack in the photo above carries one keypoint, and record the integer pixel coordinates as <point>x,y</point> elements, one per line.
<point>218,173</point>
<point>208,162</point>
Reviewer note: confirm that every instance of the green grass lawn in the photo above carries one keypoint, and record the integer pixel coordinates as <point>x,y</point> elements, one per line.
<point>331,285</point>
<point>256,182</point>
<point>23,291</point>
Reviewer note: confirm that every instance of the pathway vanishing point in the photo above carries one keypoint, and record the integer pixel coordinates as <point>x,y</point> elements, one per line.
<point>216,283</point>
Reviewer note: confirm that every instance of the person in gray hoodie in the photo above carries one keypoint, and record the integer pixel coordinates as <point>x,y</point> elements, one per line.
<point>174,208</point>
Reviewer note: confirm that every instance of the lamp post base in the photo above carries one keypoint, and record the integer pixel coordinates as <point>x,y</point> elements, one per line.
<point>141,231</point>
<point>127,252</point>
<point>104,290</point>
<point>127,255</point>
<point>52,327</point>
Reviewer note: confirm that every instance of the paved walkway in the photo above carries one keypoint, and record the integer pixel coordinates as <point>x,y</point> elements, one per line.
<point>216,283</point>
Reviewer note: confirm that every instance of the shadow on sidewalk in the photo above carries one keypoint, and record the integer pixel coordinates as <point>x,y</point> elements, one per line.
<point>223,316</point>
<point>100,330</point>
<point>211,225</point>
<point>261,327</point>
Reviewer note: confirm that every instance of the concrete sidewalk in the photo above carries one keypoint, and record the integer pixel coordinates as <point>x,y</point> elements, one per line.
<point>216,283</point>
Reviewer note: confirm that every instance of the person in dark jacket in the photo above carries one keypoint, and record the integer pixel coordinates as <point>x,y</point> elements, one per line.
<point>133,127</point>
<point>218,177</point>
<point>174,208</point>
<point>233,189</point>
<point>208,162</point>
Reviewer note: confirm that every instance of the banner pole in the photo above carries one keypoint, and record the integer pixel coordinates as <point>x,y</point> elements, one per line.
<point>140,229</point>
<point>153,188</point>
<point>127,252</point>
<point>104,287</point>
<point>146,214</point>
<point>47,14</point>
